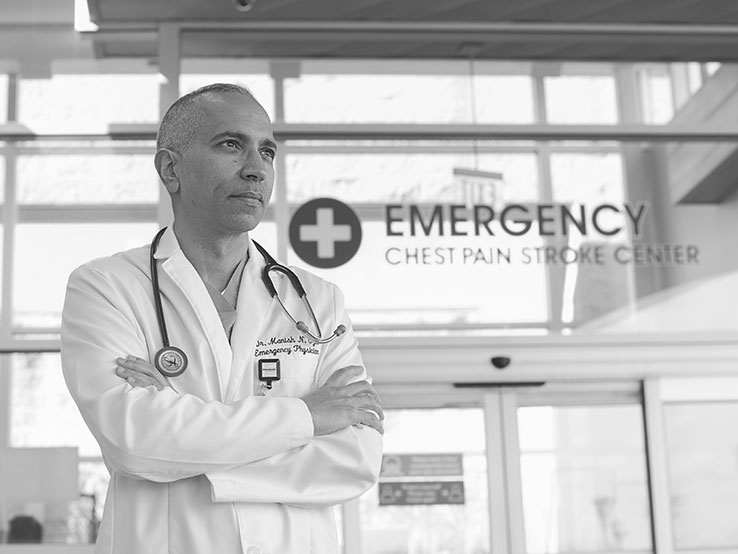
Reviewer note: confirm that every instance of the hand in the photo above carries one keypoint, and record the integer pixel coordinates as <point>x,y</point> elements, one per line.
<point>338,404</point>
<point>139,373</point>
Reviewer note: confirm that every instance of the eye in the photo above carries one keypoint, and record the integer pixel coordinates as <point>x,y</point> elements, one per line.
<point>269,153</point>
<point>231,143</point>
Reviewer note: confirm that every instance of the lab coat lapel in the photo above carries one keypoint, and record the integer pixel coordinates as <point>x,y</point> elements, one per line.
<point>251,309</point>
<point>180,270</point>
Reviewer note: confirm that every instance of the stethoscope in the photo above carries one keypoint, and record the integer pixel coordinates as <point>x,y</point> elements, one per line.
<point>172,361</point>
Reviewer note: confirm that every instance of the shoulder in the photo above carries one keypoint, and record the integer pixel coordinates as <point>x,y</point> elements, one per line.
<point>119,267</point>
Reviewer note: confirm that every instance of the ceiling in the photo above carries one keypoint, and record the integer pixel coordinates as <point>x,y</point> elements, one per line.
<point>626,30</point>
<point>590,11</point>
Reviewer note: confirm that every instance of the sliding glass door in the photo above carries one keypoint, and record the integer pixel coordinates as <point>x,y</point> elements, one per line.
<point>550,469</point>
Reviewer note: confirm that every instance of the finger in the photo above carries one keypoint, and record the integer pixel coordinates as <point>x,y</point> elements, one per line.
<point>145,377</point>
<point>123,373</point>
<point>373,394</point>
<point>136,379</point>
<point>142,366</point>
<point>138,364</point>
<point>370,420</point>
<point>368,404</point>
<point>359,388</point>
<point>344,375</point>
<point>136,382</point>
<point>139,381</point>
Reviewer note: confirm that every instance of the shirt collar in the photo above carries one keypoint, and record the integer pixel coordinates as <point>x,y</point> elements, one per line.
<point>168,245</point>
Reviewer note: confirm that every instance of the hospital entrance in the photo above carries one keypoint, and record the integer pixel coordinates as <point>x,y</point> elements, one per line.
<point>530,223</point>
<point>553,467</point>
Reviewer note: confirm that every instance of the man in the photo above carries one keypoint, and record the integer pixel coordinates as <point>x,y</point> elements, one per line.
<point>213,460</point>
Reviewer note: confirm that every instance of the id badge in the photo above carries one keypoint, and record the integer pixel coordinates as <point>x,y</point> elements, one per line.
<point>269,371</point>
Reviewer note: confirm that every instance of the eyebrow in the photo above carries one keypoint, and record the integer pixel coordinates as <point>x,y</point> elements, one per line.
<point>244,138</point>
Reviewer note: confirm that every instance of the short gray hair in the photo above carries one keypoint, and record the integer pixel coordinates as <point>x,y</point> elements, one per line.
<point>184,116</point>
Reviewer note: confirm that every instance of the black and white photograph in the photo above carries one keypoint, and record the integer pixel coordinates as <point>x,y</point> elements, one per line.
<point>368,277</point>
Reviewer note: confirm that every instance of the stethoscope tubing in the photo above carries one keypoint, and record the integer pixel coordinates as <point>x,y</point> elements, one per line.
<point>273,265</point>
<point>157,290</point>
<point>270,265</point>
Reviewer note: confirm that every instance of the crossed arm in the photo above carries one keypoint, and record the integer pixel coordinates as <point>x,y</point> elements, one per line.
<point>339,403</point>
<point>254,450</point>
<point>330,469</point>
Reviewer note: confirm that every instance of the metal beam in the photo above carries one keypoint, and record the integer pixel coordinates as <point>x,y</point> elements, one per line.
<point>658,469</point>
<point>307,131</point>
<point>9,215</point>
<point>410,29</point>
<point>92,213</point>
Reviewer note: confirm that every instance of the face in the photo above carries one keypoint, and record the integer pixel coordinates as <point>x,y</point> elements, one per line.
<point>226,175</point>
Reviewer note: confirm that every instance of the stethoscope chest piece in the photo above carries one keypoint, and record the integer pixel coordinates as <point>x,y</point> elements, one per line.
<point>170,361</point>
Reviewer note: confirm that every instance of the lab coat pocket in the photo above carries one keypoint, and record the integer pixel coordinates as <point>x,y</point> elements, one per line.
<point>297,376</point>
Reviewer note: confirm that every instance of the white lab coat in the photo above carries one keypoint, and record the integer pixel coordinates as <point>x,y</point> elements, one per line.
<point>211,467</point>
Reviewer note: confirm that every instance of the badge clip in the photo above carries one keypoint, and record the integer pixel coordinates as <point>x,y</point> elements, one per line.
<point>269,371</point>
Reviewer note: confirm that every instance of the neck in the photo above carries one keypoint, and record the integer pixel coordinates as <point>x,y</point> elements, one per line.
<point>214,256</point>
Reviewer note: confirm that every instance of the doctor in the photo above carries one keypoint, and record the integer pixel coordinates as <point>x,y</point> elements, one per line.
<point>215,460</point>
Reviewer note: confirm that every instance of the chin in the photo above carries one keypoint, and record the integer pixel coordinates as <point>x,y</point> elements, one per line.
<point>243,224</point>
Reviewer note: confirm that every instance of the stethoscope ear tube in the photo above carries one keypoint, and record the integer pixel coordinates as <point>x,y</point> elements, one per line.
<point>273,265</point>
<point>157,291</point>
<point>286,271</point>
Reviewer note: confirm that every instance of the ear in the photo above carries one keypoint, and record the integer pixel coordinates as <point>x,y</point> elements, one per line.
<point>165,161</point>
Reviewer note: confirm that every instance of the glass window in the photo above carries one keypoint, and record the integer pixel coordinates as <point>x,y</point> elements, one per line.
<point>587,178</point>
<point>425,281</point>
<point>261,86</point>
<point>87,179</point>
<point>621,259</point>
<point>2,274</point>
<point>584,477</point>
<point>87,102</point>
<point>656,94</point>
<point>712,67</point>
<point>581,99</point>
<point>266,234</point>
<point>408,177</point>
<point>404,99</point>
<point>591,180</point>
<point>694,76</point>
<point>428,280</point>
<point>701,447</point>
<point>3,98</point>
<point>449,528</point>
<point>683,270</point>
<point>47,253</point>
<point>74,520</point>
<point>2,179</point>
<point>42,413</point>
<point>93,480</point>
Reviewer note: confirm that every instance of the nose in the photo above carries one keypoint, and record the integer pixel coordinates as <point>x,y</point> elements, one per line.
<point>253,167</point>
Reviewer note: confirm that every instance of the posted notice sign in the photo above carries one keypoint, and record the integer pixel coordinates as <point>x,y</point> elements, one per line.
<point>421,465</point>
<point>411,479</point>
<point>406,493</point>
